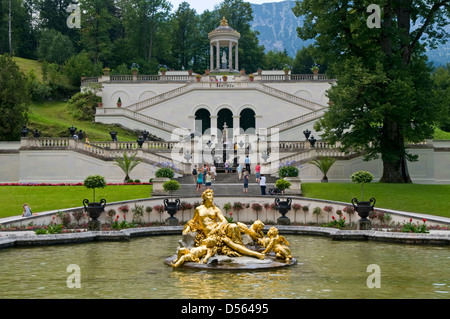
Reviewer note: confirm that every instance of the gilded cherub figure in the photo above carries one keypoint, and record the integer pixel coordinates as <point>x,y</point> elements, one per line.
<point>207,249</point>
<point>278,244</point>
<point>255,231</point>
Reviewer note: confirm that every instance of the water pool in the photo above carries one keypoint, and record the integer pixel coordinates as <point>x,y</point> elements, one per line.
<point>135,269</point>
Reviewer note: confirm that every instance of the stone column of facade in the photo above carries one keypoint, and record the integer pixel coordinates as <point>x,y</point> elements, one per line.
<point>236,124</point>
<point>192,117</point>
<point>236,57</point>
<point>214,130</point>
<point>230,55</point>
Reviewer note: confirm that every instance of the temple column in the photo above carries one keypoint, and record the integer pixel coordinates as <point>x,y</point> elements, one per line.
<point>218,55</point>
<point>230,55</point>
<point>236,57</point>
<point>211,62</point>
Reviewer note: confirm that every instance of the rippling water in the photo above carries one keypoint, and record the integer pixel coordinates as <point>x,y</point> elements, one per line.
<point>135,269</point>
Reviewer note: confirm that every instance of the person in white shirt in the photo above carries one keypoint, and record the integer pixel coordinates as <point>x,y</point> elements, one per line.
<point>212,170</point>
<point>262,184</point>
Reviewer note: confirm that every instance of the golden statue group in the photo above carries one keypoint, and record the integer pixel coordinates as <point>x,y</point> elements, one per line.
<point>212,234</point>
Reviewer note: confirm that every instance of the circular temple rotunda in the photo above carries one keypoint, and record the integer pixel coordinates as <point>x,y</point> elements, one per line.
<point>224,36</point>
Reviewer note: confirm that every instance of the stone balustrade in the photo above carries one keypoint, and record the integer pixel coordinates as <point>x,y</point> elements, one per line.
<point>205,78</point>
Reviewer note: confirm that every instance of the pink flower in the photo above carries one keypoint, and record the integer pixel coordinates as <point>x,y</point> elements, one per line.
<point>333,217</point>
<point>424,220</point>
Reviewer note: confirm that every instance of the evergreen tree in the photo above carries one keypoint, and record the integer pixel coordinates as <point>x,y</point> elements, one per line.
<point>185,33</point>
<point>14,99</point>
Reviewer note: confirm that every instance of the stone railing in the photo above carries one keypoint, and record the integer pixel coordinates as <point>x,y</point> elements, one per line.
<point>116,111</point>
<point>298,120</point>
<point>313,106</point>
<point>205,78</point>
<point>158,98</point>
<point>107,150</point>
<point>147,145</point>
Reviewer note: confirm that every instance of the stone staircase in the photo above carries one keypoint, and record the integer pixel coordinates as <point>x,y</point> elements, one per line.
<point>226,184</point>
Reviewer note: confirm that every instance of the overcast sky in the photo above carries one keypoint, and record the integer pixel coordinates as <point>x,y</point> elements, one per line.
<point>202,5</point>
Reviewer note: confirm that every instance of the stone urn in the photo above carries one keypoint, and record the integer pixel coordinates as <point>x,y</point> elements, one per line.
<point>94,210</point>
<point>172,207</point>
<point>363,209</point>
<point>283,207</point>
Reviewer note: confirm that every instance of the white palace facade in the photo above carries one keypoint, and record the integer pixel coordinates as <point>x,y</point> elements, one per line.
<point>263,115</point>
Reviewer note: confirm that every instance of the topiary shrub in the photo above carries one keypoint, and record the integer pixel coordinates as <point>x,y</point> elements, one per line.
<point>362,178</point>
<point>94,181</point>
<point>282,185</point>
<point>171,186</point>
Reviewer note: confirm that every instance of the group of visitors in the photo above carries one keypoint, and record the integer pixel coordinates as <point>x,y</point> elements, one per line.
<point>204,176</point>
<point>260,178</point>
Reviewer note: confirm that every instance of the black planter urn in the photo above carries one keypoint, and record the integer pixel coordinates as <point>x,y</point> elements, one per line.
<point>94,210</point>
<point>283,207</point>
<point>172,208</point>
<point>363,209</point>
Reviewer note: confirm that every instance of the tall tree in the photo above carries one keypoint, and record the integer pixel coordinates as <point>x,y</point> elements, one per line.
<point>14,99</point>
<point>383,97</point>
<point>143,21</point>
<point>441,90</point>
<point>98,19</point>
<point>185,34</point>
<point>17,31</point>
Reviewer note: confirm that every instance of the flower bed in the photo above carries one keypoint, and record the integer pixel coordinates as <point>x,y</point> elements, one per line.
<point>67,184</point>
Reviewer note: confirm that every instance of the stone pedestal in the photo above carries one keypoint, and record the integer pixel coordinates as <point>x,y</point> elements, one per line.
<point>364,225</point>
<point>283,220</point>
<point>94,225</point>
<point>172,221</point>
<point>158,189</point>
<point>296,186</point>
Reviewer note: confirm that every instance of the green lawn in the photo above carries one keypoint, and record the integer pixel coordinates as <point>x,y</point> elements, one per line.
<point>53,119</point>
<point>427,199</point>
<point>25,65</point>
<point>45,198</point>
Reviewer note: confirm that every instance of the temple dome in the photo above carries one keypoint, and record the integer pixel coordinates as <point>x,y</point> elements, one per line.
<point>224,28</point>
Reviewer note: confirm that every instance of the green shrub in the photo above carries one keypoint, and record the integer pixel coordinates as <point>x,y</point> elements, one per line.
<point>164,172</point>
<point>95,181</point>
<point>362,178</point>
<point>288,171</point>
<point>282,184</point>
<point>82,105</point>
<point>171,186</point>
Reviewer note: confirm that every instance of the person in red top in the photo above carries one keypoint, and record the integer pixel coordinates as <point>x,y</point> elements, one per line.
<point>258,172</point>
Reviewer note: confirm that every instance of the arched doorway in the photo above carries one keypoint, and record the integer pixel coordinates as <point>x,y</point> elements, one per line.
<point>202,120</point>
<point>225,116</point>
<point>247,121</point>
